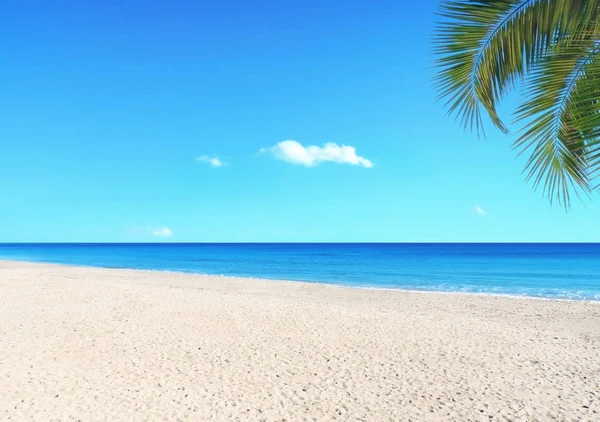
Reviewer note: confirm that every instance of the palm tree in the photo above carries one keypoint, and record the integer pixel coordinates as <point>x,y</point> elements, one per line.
<point>551,48</point>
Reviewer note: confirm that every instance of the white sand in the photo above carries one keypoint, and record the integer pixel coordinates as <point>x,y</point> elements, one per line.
<point>95,344</point>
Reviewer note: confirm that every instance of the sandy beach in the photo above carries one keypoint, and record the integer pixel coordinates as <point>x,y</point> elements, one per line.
<point>99,344</point>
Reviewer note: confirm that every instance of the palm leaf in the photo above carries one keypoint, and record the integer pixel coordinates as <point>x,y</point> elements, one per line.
<point>486,47</point>
<point>563,115</point>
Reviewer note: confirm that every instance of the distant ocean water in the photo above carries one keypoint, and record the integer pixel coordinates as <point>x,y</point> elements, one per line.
<point>562,271</point>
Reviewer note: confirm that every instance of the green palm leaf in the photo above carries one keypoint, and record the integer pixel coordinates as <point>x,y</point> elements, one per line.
<point>563,123</point>
<point>485,48</point>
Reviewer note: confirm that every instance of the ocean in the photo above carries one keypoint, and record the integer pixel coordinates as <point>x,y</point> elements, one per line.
<point>560,271</point>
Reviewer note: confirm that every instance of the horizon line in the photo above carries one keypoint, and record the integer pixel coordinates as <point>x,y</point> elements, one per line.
<point>305,243</point>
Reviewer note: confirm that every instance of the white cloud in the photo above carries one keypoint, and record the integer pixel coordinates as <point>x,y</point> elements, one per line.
<point>213,161</point>
<point>295,153</point>
<point>162,232</point>
<point>480,210</point>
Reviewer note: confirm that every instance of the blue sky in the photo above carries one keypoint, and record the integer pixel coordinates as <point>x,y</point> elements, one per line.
<point>112,115</point>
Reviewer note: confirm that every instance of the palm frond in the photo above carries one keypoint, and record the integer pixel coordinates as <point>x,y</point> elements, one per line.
<point>485,47</point>
<point>563,118</point>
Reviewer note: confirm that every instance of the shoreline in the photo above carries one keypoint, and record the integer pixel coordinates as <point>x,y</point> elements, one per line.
<point>321,283</point>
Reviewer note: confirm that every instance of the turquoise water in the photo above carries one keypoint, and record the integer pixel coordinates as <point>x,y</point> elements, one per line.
<point>567,271</point>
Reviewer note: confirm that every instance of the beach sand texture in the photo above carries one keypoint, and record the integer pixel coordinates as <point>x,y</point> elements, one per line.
<point>100,344</point>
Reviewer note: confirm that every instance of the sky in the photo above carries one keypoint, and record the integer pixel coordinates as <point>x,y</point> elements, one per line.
<point>262,121</point>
